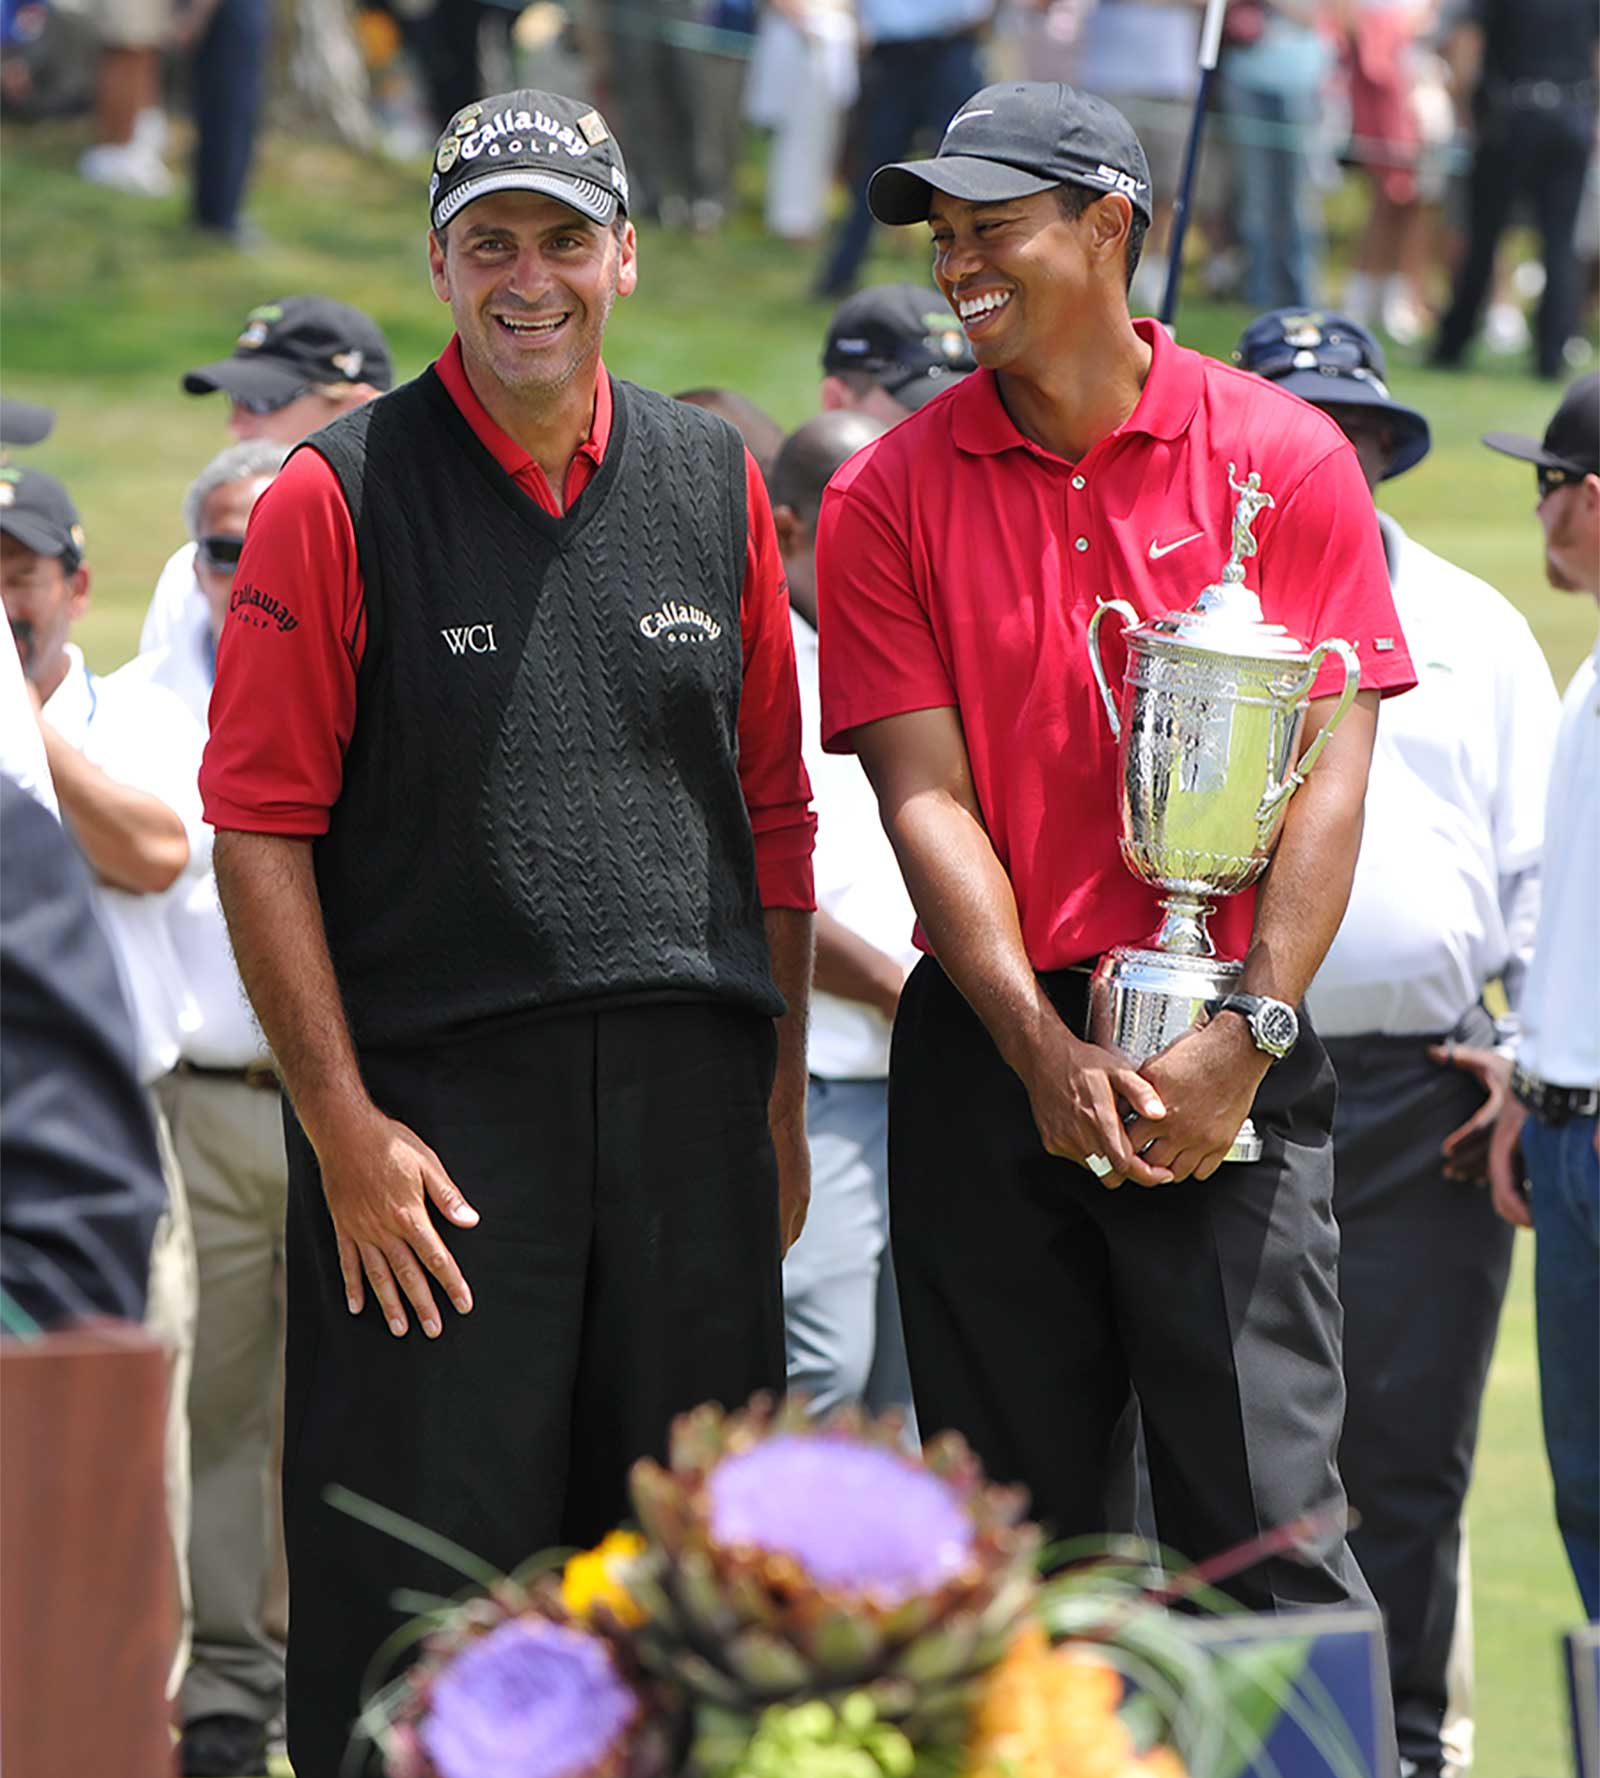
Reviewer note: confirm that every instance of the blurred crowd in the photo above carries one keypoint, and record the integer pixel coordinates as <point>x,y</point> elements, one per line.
<point>1439,130</point>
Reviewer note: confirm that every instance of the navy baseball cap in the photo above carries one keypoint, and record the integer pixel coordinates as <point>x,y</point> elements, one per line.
<point>528,141</point>
<point>1332,361</point>
<point>904,337</point>
<point>1571,444</point>
<point>37,511</point>
<point>1015,139</point>
<point>295,344</point>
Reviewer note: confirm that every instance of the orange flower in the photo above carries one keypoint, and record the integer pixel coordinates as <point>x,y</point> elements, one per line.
<point>594,1577</point>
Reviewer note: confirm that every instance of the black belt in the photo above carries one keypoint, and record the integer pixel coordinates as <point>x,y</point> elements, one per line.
<point>1553,1104</point>
<point>253,1074</point>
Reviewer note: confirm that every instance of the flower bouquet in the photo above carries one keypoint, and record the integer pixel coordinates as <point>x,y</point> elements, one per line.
<point>810,1600</point>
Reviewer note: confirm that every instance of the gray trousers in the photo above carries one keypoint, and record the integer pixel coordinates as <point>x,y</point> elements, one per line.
<point>841,1311</point>
<point>229,1139</point>
<point>1422,1271</point>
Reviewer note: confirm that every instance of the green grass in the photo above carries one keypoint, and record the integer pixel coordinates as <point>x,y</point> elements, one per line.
<point>105,302</point>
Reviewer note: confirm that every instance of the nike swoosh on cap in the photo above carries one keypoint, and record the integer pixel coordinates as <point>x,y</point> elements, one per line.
<point>1158,550</point>
<point>965,117</point>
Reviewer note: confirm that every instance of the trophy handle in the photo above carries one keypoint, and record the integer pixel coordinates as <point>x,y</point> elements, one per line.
<point>1272,803</point>
<point>1130,618</point>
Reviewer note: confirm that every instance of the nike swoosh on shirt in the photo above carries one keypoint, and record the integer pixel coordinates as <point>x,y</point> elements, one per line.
<point>1158,550</point>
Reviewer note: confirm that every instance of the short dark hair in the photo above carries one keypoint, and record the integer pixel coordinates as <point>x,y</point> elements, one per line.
<point>1075,199</point>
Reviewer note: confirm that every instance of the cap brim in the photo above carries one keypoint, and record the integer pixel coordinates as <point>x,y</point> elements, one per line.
<point>903,192</point>
<point>249,379</point>
<point>917,390</point>
<point>35,533</point>
<point>1529,450</point>
<point>1413,436</point>
<point>585,196</point>
<point>24,422</point>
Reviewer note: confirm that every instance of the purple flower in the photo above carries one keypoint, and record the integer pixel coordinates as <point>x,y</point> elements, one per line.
<point>854,1516</point>
<point>530,1700</point>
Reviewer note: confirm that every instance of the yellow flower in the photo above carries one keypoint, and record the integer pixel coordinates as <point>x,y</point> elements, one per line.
<point>593,1577</point>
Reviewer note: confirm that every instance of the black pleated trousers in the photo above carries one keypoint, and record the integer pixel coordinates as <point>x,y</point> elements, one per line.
<point>626,1267</point>
<point>1034,1299</point>
<point>1422,1274</point>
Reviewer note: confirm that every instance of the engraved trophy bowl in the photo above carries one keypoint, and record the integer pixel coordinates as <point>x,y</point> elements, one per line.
<point>1207,725</point>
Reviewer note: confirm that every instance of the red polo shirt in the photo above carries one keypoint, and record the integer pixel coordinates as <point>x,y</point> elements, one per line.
<point>958,564</point>
<point>284,705</point>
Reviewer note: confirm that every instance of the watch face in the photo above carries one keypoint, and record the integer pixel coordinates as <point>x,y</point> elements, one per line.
<point>1277,1028</point>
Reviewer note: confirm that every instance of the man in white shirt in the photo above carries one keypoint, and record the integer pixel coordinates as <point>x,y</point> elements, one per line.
<point>1444,901</point>
<point>1552,1127</point>
<point>299,362</point>
<point>124,758</point>
<point>841,1310</point>
<point>226,1113</point>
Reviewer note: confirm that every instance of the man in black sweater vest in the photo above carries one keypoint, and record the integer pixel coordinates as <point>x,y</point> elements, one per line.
<point>514,843</point>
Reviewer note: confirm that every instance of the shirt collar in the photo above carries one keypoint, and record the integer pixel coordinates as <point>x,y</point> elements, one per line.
<point>505,450</point>
<point>1166,405</point>
<point>71,704</point>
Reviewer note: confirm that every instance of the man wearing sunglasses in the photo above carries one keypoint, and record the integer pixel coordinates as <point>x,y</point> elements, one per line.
<point>225,1110</point>
<point>1550,1132</point>
<point>299,362</point>
<point>1445,899</point>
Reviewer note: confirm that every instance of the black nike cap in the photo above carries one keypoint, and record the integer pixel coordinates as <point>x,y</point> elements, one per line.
<point>1015,139</point>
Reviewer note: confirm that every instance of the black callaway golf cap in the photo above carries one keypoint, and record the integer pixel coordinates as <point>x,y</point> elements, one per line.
<point>904,337</point>
<point>37,511</point>
<point>1332,361</point>
<point>528,141</point>
<point>295,344</point>
<point>1571,440</point>
<point>1015,139</point>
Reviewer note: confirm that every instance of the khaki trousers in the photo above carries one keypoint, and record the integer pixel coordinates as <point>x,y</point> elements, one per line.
<point>229,1138</point>
<point>170,1315</point>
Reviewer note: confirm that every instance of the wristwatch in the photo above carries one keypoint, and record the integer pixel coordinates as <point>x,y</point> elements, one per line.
<point>1274,1028</point>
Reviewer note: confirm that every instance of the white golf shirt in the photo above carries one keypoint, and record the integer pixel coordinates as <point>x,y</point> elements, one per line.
<point>857,881</point>
<point>1446,890</point>
<point>142,736</point>
<point>1561,1010</point>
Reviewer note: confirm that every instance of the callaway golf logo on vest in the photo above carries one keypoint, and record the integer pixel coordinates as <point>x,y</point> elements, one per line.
<point>676,622</point>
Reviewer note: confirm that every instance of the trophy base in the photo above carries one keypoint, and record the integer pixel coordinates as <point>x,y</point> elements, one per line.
<point>1140,1000</point>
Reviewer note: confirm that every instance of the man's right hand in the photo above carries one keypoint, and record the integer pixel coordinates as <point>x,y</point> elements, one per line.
<point>1079,1093</point>
<point>378,1178</point>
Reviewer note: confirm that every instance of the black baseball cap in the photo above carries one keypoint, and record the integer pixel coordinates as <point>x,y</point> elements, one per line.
<point>295,344</point>
<point>528,141</point>
<point>1330,360</point>
<point>1012,140</point>
<point>904,337</point>
<point>1572,439</point>
<point>23,422</point>
<point>38,512</point>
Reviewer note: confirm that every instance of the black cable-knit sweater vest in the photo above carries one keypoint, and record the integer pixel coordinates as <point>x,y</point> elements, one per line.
<point>541,803</point>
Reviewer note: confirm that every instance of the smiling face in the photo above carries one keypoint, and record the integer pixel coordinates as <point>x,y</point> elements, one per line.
<point>1022,276</point>
<point>530,284</point>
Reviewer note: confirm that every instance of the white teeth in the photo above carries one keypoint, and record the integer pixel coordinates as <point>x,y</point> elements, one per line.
<point>530,326</point>
<point>975,307</point>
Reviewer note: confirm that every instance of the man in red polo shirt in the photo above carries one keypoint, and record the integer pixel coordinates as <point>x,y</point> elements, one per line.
<point>960,558</point>
<point>515,848</point>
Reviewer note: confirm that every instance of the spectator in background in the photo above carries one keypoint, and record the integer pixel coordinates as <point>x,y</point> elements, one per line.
<point>300,362</point>
<point>1382,51</point>
<point>84,1190</point>
<point>21,745</point>
<point>1531,67</point>
<point>1143,57</point>
<point>803,81</point>
<point>226,1115</point>
<point>226,77</point>
<point>840,1307</point>
<point>1273,70</point>
<point>922,60</point>
<point>1552,1128</point>
<point>761,433</point>
<point>1445,900</point>
<point>124,757</point>
<point>889,349</point>
<point>130,128</point>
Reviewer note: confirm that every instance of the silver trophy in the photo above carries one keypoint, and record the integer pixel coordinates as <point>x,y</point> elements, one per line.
<point>1208,732</point>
